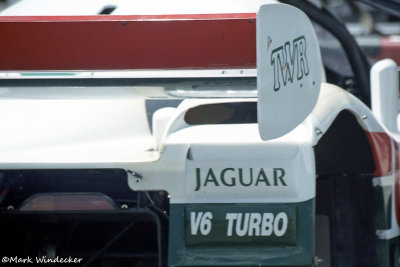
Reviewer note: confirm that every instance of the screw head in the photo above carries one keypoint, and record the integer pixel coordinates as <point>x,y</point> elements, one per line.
<point>318,131</point>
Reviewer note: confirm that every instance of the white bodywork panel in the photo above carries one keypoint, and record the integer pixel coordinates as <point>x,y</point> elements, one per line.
<point>98,132</point>
<point>332,100</point>
<point>75,127</point>
<point>108,128</point>
<point>239,146</point>
<point>385,93</point>
<point>128,7</point>
<point>206,73</point>
<point>289,69</point>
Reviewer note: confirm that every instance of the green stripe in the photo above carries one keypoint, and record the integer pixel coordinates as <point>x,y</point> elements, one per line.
<point>385,251</point>
<point>383,197</point>
<point>294,247</point>
<point>47,74</point>
<point>238,231</point>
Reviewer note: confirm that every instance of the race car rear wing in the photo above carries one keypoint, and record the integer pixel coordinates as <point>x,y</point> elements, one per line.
<point>289,66</point>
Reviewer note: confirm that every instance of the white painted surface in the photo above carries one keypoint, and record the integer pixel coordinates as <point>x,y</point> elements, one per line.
<point>89,127</point>
<point>231,146</point>
<point>289,69</point>
<point>129,7</point>
<point>332,100</point>
<point>46,128</point>
<point>130,74</point>
<point>385,93</point>
<point>161,119</point>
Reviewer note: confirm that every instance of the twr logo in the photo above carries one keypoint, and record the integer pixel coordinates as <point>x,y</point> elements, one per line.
<point>288,59</point>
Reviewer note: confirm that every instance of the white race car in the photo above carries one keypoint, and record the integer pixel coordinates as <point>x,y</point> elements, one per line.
<point>207,134</point>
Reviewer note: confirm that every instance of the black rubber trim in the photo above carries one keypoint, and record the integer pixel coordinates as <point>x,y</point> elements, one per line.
<point>357,59</point>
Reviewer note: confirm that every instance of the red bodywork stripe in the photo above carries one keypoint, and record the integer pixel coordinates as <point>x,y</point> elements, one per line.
<point>396,157</point>
<point>382,152</point>
<point>389,49</point>
<point>128,42</point>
